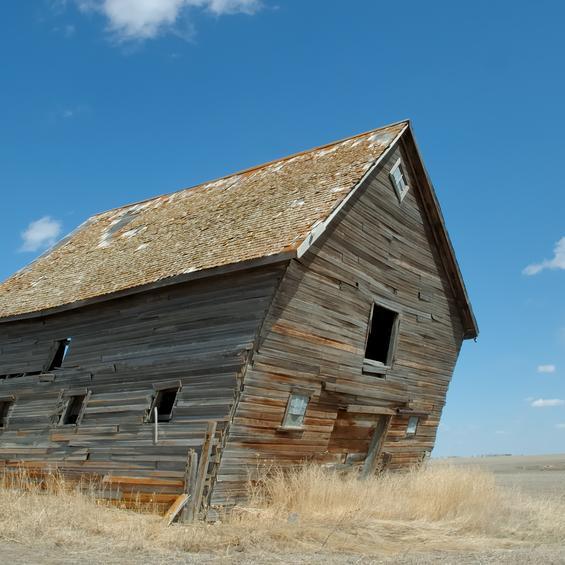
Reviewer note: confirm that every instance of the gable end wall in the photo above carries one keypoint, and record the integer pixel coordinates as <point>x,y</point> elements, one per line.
<point>314,337</point>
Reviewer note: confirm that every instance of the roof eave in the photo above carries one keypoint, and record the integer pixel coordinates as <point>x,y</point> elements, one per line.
<point>169,281</point>
<point>447,252</point>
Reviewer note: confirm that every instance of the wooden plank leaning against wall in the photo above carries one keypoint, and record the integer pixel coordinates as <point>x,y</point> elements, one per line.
<point>195,336</point>
<point>313,340</point>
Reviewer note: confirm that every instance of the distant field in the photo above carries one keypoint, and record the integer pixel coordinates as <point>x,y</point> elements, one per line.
<point>534,474</point>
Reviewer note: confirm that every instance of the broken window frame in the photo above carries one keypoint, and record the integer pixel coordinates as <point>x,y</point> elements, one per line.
<point>160,390</point>
<point>295,393</point>
<point>412,426</point>
<point>374,366</point>
<point>6,405</point>
<point>68,402</point>
<point>399,179</point>
<point>59,353</point>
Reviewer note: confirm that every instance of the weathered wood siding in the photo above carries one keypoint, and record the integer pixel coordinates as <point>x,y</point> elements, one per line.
<point>198,334</point>
<point>315,334</point>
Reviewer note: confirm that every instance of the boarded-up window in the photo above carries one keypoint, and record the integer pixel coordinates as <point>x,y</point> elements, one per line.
<point>412,426</point>
<point>73,410</point>
<point>382,335</point>
<point>61,351</point>
<point>5,406</point>
<point>163,403</point>
<point>295,410</point>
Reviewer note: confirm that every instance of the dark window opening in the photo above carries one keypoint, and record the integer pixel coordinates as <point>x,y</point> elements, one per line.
<point>73,409</point>
<point>4,410</point>
<point>60,353</point>
<point>381,335</point>
<point>164,401</point>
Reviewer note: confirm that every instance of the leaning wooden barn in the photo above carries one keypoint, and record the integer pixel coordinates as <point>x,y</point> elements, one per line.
<point>308,309</point>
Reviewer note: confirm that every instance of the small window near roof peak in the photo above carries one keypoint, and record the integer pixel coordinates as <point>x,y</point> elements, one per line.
<point>398,178</point>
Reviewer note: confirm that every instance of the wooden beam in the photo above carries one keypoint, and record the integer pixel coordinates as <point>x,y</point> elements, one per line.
<point>362,409</point>
<point>377,440</point>
<point>197,493</point>
<point>176,508</point>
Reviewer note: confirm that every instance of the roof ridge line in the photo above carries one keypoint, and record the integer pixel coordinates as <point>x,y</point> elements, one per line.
<point>253,168</point>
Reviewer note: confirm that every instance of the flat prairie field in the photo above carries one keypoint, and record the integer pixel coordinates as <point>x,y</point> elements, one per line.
<point>538,475</point>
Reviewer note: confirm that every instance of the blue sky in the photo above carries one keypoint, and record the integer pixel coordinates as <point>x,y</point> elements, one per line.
<point>104,102</point>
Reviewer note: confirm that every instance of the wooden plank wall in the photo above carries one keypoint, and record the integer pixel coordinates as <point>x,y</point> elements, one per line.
<point>315,332</point>
<point>198,334</point>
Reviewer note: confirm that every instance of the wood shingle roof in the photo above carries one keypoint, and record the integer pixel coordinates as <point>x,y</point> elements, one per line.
<point>262,212</point>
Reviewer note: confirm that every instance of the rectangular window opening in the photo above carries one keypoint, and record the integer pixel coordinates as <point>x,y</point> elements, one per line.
<point>61,352</point>
<point>398,179</point>
<point>73,410</point>
<point>5,406</point>
<point>382,335</point>
<point>412,426</point>
<point>164,401</point>
<point>295,410</point>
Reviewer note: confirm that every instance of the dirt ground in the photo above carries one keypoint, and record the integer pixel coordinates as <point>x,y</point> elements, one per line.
<point>541,476</point>
<point>16,554</point>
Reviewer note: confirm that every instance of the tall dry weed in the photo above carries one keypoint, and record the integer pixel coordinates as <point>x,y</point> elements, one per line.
<point>426,494</point>
<point>467,498</point>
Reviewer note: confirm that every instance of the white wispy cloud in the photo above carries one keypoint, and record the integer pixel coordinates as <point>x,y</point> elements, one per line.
<point>40,234</point>
<point>67,30</point>
<point>547,402</point>
<point>146,19</point>
<point>546,368</point>
<point>62,114</point>
<point>556,262</point>
<point>560,426</point>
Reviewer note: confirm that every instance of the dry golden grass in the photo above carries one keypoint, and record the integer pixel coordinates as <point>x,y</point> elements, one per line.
<point>463,497</point>
<point>306,512</point>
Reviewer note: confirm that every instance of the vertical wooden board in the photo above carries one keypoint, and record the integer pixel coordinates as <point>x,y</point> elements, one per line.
<point>188,514</point>
<point>202,473</point>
